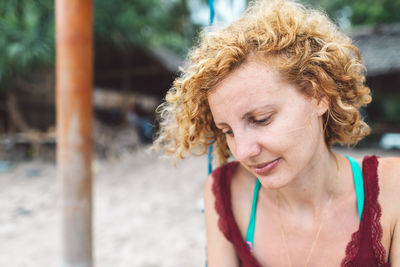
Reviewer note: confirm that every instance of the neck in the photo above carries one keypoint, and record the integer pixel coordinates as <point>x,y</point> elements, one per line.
<point>315,186</point>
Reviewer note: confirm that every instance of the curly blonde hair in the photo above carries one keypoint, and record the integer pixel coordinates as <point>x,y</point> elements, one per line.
<point>308,50</point>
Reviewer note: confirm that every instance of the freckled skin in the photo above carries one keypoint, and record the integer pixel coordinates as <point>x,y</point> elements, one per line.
<point>292,130</point>
<point>266,118</point>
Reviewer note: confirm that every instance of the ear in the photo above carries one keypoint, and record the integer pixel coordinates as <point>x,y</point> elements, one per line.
<point>322,105</point>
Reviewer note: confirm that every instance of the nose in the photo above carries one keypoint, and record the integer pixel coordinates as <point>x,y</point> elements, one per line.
<point>246,146</point>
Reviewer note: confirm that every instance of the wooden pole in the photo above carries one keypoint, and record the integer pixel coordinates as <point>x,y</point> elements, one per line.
<point>74,73</point>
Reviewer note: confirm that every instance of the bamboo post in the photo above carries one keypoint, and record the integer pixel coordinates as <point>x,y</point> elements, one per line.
<point>74,69</point>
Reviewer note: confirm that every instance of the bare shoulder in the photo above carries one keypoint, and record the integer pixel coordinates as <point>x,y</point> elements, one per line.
<point>389,173</point>
<point>389,184</point>
<point>242,195</point>
<point>390,164</point>
<point>242,188</point>
<point>220,251</point>
<point>242,180</point>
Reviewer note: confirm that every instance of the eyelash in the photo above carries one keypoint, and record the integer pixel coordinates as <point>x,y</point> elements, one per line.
<point>260,122</point>
<point>252,121</point>
<point>228,132</point>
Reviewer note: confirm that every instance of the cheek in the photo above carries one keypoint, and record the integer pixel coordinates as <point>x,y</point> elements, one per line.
<point>289,127</point>
<point>295,136</point>
<point>303,142</point>
<point>294,121</point>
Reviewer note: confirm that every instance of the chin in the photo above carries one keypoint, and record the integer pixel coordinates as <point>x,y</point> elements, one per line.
<point>272,182</point>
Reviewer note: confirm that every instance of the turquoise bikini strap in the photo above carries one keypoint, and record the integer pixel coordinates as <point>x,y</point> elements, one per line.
<point>252,222</point>
<point>210,159</point>
<point>358,183</point>
<point>359,187</point>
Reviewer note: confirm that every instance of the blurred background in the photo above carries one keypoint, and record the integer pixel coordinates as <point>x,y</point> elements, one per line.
<point>147,213</point>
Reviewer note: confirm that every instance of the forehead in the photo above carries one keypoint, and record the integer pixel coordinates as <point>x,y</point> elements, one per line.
<point>251,85</point>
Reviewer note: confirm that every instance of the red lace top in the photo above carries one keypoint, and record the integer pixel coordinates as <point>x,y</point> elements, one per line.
<point>364,248</point>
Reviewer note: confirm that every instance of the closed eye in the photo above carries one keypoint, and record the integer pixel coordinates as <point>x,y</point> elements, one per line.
<point>262,121</point>
<point>228,132</point>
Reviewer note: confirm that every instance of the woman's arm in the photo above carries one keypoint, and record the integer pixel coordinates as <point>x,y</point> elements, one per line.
<point>220,252</point>
<point>390,171</point>
<point>395,247</point>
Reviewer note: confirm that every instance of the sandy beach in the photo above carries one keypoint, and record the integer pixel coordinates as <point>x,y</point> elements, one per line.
<point>147,213</point>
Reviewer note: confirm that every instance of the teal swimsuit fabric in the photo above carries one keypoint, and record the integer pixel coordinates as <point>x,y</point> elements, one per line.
<point>252,222</point>
<point>358,184</point>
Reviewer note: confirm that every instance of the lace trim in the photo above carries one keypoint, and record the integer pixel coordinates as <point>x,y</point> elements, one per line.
<point>219,175</point>
<point>226,222</point>
<point>373,227</point>
<point>351,249</point>
<point>370,167</point>
<point>376,212</point>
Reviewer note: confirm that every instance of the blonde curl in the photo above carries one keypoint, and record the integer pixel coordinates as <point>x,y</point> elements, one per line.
<point>305,46</point>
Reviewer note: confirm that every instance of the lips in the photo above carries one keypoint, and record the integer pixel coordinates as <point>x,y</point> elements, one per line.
<point>265,168</point>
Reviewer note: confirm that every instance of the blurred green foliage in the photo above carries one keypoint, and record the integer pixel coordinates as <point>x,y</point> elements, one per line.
<point>27,27</point>
<point>386,105</point>
<point>360,12</point>
<point>26,38</point>
<point>27,30</point>
<point>144,23</point>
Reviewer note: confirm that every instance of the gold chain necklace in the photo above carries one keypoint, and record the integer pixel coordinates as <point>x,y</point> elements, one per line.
<point>283,236</point>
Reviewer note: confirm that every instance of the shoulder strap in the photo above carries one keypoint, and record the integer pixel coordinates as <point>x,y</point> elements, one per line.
<point>210,159</point>
<point>252,222</point>
<point>221,189</point>
<point>226,221</point>
<point>358,183</point>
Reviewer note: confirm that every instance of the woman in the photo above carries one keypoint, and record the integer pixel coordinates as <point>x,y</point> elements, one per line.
<point>275,90</point>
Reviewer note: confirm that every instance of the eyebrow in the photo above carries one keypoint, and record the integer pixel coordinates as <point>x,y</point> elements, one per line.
<point>247,114</point>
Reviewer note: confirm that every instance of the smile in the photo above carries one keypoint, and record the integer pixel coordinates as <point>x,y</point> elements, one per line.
<point>265,168</point>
